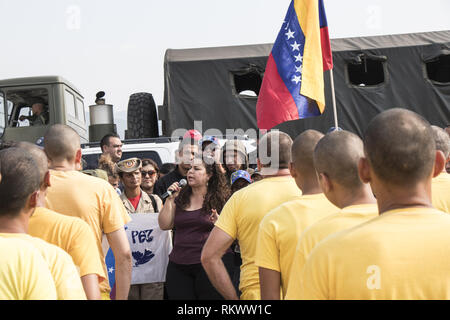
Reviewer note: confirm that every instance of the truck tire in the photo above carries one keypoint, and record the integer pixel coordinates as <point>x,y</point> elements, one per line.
<point>142,120</point>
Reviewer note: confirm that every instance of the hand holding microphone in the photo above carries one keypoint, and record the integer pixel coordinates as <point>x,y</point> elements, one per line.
<point>174,189</point>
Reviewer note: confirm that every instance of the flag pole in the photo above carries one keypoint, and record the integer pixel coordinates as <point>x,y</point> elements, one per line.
<point>333,98</point>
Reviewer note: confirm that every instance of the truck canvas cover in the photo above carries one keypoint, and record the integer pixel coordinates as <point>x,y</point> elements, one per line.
<point>371,74</point>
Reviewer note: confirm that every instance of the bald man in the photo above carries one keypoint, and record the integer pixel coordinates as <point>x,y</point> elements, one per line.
<point>242,214</point>
<point>441,183</point>
<point>92,199</point>
<point>280,229</point>
<point>18,201</point>
<point>403,253</point>
<point>69,233</point>
<point>336,159</point>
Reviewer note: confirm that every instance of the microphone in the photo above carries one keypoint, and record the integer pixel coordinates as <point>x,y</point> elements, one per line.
<point>182,183</point>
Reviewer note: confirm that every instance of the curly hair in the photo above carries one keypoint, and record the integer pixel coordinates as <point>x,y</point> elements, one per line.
<point>217,194</point>
<point>105,163</point>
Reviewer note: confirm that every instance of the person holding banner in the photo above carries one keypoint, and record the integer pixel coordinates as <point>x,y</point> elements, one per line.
<point>144,233</point>
<point>192,210</point>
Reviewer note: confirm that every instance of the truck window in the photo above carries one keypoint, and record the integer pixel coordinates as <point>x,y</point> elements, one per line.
<point>2,113</point>
<point>69,102</point>
<point>80,110</point>
<point>27,107</point>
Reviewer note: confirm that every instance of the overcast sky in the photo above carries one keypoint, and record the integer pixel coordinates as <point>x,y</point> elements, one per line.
<point>119,46</point>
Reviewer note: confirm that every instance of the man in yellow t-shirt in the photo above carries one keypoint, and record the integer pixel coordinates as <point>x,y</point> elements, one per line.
<point>69,233</point>
<point>242,214</point>
<point>19,188</point>
<point>441,184</point>
<point>336,159</point>
<point>24,273</point>
<point>282,226</point>
<point>92,199</point>
<point>403,253</point>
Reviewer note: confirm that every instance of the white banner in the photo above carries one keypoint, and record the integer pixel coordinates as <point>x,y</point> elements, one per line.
<point>150,248</point>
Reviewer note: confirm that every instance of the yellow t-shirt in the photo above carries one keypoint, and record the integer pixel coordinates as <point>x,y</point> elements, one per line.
<point>71,234</point>
<point>348,217</point>
<point>24,274</point>
<point>403,255</point>
<point>281,228</point>
<point>65,275</point>
<point>90,198</point>
<point>241,216</point>
<point>440,192</point>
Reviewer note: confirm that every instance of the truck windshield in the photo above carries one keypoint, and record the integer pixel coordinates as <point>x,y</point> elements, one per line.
<point>27,107</point>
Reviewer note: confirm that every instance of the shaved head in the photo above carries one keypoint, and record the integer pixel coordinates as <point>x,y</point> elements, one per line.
<point>337,155</point>
<point>400,147</point>
<point>61,142</point>
<point>442,140</point>
<point>20,178</point>
<point>303,151</point>
<point>274,150</point>
<point>38,155</point>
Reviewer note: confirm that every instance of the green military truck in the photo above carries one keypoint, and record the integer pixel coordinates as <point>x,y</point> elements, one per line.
<point>28,106</point>
<point>56,100</point>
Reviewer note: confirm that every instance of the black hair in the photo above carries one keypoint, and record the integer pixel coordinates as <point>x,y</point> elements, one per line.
<point>19,179</point>
<point>105,139</point>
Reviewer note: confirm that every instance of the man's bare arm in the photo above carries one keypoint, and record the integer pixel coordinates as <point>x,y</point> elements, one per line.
<point>269,281</point>
<point>120,247</point>
<point>91,287</point>
<point>215,247</point>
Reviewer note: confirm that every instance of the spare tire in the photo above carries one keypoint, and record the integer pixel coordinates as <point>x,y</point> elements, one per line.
<point>142,120</point>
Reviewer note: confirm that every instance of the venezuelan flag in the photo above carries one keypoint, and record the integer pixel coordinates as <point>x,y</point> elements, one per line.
<point>293,84</point>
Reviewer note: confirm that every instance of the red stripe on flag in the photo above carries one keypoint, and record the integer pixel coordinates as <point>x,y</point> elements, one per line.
<point>326,49</point>
<point>275,103</point>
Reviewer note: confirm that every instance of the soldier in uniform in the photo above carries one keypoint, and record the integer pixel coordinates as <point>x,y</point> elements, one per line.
<point>39,116</point>
<point>137,201</point>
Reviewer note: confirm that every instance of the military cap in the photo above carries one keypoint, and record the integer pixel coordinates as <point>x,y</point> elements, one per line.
<point>129,165</point>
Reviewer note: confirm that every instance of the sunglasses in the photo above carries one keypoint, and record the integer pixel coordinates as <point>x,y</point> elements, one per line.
<point>150,173</point>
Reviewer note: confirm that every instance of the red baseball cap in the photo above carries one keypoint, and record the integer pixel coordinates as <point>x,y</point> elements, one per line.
<point>193,134</point>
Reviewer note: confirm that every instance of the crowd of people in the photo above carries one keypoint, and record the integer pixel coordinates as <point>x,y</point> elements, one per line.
<point>329,216</point>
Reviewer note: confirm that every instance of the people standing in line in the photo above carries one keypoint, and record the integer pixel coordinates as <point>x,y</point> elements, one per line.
<point>403,253</point>
<point>150,174</point>
<point>241,215</point>
<point>137,201</point>
<point>71,234</point>
<point>91,199</point>
<point>187,150</point>
<point>19,197</point>
<point>192,210</point>
<point>336,159</point>
<point>280,229</point>
<point>112,145</point>
<point>441,183</point>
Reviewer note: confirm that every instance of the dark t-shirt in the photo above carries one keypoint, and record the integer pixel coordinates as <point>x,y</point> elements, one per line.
<point>165,182</point>
<point>193,229</point>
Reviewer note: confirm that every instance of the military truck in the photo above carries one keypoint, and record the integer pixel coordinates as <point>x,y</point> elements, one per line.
<point>29,106</point>
<point>61,102</point>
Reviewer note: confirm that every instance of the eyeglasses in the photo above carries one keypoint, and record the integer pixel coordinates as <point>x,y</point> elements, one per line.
<point>150,173</point>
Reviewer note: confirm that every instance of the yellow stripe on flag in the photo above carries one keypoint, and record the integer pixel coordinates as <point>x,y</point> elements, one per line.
<point>312,72</point>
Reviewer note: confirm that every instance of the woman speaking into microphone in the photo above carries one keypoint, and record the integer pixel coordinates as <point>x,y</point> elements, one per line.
<point>192,210</point>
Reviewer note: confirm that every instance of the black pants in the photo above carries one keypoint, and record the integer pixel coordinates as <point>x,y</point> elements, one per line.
<point>190,281</point>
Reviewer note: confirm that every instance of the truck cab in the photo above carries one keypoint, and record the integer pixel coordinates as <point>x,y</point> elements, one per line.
<point>29,106</point>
